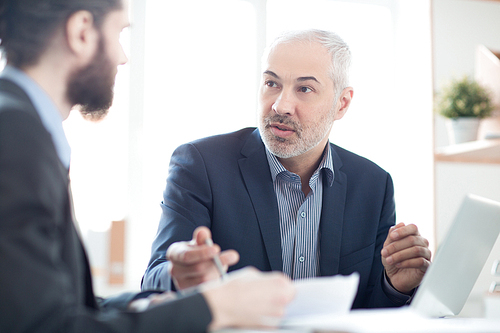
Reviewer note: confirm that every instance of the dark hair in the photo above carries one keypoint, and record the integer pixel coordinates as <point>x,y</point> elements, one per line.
<point>28,26</point>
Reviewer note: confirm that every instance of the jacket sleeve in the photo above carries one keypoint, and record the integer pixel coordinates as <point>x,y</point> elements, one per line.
<point>187,204</point>
<point>43,286</point>
<point>384,295</point>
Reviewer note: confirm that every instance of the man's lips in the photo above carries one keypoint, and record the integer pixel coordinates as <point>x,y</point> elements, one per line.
<point>281,130</point>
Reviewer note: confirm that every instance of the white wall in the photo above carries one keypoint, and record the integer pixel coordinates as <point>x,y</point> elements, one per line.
<point>458,26</point>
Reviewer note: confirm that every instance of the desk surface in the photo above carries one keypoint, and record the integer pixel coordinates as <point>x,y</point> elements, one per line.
<point>401,320</point>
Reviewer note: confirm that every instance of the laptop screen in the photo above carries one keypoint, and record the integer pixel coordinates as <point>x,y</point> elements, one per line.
<point>459,259</point>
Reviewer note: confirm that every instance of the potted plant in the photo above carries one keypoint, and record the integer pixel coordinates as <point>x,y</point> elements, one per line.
<point>464,103</point>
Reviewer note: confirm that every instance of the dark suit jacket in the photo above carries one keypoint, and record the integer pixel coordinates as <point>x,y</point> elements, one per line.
<point>45,282</point>
<point>224,183</point>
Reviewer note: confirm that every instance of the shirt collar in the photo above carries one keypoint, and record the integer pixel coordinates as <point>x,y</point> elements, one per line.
<point>326,164</point>
<point>47,110</point>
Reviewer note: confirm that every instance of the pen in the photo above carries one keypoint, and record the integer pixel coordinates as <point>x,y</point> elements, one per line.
<point>216,259</point>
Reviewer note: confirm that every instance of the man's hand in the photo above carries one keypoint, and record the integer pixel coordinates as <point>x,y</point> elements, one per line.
<point>248,298</point>
<point>406,257</point>
<point>191,263</point>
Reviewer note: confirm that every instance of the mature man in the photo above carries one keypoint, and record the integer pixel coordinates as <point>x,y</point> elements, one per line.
<point>62,53</point>
<point>285,198</point>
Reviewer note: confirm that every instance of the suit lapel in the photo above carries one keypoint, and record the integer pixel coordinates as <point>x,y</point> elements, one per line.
<point>257,177</point>
<point>332,219</point>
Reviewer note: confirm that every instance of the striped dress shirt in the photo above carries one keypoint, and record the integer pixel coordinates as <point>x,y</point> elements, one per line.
<point>299,216</point>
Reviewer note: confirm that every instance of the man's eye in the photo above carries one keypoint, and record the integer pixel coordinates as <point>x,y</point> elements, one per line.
<point>305,89</point>
<point>271,84</point>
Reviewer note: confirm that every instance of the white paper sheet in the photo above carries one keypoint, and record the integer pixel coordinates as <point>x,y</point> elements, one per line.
<point>322,296</point>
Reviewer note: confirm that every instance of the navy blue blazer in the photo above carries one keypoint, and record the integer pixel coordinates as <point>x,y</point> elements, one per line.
<point>224,182</point>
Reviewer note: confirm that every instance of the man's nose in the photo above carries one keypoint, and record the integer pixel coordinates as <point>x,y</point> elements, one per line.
<point>284,104</point>
<point>123,56</point>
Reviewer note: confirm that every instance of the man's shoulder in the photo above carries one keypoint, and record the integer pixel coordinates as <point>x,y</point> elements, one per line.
<point>18,117</point>
<point>13,98</point>
<point>220,153</point>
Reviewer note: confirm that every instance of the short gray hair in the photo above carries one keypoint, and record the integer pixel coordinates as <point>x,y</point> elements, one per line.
<point>336,47</point>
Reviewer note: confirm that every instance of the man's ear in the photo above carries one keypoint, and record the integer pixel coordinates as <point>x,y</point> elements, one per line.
<point>344,101</point>
<point>81,35</point>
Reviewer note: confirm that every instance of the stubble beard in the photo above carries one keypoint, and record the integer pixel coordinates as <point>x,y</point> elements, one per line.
<point>306,136</point>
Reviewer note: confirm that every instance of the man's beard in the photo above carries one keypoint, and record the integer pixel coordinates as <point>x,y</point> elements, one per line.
<point>91,88</point>
<point>307,136</point>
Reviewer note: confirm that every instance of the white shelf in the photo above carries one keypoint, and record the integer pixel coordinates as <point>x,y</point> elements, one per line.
<point>480,151</point>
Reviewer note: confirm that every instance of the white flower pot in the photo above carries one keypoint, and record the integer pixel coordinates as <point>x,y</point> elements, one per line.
<point>462,129</point>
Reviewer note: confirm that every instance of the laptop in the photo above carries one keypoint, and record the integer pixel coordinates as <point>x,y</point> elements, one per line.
<point>459,259</point>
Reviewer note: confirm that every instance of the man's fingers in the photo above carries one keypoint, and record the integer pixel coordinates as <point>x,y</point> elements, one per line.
<point>404,243</point>
<point>418,263</point>
<point>404,231</point>
<point>229,257</point>
<point>191,263</point>
<point>185,254</point>
<point>206,267</point>
<point>401,231</point>
<point>203,272</point>
<point>388,240</point>
<point>407,254</point>
<point>200,235</point>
